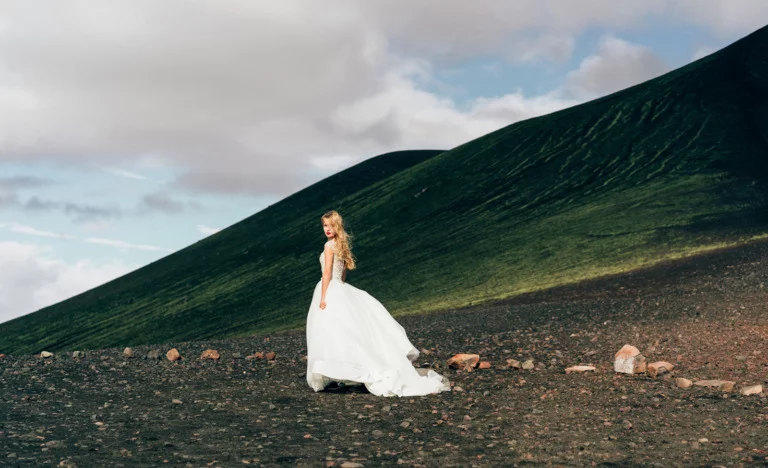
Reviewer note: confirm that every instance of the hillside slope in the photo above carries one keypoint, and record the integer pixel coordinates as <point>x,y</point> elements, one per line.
<point>662,169</point>
<point>185,291</point>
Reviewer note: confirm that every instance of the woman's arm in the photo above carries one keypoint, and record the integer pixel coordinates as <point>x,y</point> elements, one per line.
<point>328,270</point>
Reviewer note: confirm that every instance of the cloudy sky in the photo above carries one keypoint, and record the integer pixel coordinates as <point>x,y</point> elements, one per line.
<point>130,129</point>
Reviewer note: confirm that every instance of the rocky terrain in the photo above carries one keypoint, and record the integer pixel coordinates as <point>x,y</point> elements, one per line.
<point>706,315</point>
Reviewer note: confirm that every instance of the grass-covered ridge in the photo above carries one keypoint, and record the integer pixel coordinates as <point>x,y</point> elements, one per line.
<point>663,169</point>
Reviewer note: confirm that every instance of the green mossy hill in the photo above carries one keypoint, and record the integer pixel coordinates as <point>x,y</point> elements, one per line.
<point>664,169</point>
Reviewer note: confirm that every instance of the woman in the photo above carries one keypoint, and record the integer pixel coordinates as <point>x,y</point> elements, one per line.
<point>351,338</point>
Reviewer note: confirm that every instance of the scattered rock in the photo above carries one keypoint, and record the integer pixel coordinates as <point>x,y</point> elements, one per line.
<point>258,355</point>
<point>176,401</point>
<point>628,360</point>
<point>2,356</point>
<point>46,354</point>
<point>683,383</point>
<point>78,354</point>
<point>173,354</point>
<point>154,354</point>
<point>527,365</point>
<point>658,368</point>
<point>484,365</point>
<point>724,385</point>
<point>349,464</point>
<point>236,356</point>
<point>210,354</point>
<point>752,390</point>
<point>513,363</point>
<point>579,369</point>
<point>464,361</point>
<point>270,356</point>
<point>128,352</point>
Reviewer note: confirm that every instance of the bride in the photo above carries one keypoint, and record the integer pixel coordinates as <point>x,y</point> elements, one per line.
<point>351,338</point>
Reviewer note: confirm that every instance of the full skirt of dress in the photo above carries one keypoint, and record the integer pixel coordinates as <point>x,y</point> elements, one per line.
<point>355,340</point>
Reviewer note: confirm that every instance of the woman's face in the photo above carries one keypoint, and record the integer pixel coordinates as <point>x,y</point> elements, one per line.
<point>328,230</point>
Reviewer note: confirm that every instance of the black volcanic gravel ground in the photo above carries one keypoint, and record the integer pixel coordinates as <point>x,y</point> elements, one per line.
<point>706,315</point>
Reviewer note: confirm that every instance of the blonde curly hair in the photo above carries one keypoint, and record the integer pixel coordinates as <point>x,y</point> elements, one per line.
<point>343,248</point>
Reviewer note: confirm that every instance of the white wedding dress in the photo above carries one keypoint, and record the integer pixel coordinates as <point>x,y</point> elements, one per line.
<point>355,341</point>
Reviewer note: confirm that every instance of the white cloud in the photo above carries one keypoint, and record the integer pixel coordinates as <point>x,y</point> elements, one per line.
<point>193,94</point>
<point>22,229</point>
<point>98,226</point>
<point>616,65</point>
<point>207,230</point>
<point>32,278</point>
<point>124,245</point>
<point>123,173</point>
<point>724,17</point>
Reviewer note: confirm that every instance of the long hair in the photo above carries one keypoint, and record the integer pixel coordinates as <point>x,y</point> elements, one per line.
<point>343,248</point>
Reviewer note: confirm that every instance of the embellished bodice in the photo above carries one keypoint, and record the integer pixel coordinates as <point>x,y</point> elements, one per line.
<point>338,264</point>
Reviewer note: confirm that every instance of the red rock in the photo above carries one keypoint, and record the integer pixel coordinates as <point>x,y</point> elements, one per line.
<point>270,355</point>
<point>173,355</point>
<point>210,354</point>
<point>579,369</point>
<point>658,368</point>
<point>464,361</point>
<point>485,365</point>
<point>627,351</point>
<point>258,355</point>
<point>2,356</point>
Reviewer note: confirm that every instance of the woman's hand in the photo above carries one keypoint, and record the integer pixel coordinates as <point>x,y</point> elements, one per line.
<point>322,304</point>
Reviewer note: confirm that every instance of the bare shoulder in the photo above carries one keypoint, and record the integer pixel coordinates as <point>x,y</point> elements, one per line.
<point>329,245</point>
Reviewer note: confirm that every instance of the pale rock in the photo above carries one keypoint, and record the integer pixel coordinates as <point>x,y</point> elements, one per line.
<point>128,352</point>
<point>683,383</point>
<point>579,369</point>
<point>485,365</point>
<point>724,385</point>
<point>752,390</point>
<point>46,354</point>
<point>513,363</point>
<point>628,360</point>
<point>528,364</point>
